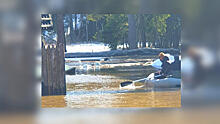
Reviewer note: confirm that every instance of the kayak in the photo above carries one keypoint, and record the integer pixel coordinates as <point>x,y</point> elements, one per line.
<point>168,82</point>
<point>152,82</point>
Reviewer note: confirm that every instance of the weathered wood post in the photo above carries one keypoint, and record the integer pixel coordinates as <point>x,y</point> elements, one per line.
<point>53,63</point>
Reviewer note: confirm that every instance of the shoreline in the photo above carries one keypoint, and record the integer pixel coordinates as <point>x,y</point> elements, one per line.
<point>143,51</point>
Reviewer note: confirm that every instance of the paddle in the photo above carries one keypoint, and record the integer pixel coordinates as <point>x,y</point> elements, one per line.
<point>126,83</point>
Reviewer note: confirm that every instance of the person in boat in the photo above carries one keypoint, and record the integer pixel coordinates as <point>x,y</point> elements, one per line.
<point>165,71</point>
<point>176,65</point>
<point>175,68</point>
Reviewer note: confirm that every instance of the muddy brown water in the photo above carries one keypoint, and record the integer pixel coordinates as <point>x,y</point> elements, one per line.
<point>138,99</point>
<point>100,88</point>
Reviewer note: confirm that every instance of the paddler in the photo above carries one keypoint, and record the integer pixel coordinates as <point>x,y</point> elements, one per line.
<point>165,67</point>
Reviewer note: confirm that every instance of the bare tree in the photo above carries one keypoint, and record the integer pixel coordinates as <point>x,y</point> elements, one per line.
<point>132,32</point>
<point>87,34</point>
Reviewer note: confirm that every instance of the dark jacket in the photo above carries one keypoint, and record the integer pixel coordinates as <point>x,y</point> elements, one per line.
<point>165,66</point>
<point>176,65</point>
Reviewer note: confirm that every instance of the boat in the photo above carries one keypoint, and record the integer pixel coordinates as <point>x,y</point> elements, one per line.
<point>168,82</point>
<point>152,82</point>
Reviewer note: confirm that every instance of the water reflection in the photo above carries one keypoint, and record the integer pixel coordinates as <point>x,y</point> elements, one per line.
<point>123,98</point>
<point>53,101</point>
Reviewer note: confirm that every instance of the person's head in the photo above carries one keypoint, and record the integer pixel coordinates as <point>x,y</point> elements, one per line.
<point>161,56</point>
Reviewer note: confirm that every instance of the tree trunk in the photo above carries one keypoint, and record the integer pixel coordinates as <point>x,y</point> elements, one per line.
<point>87,34</point>
<point>143,40</point>
<point>143,37</point>
<point>177,38</point>
<point>132,32</point>
<point>64,42</point>
<point>71,27</point>
<point>53,64</point>
<point>76,30</point>
<point>80,36</point>
<point>75,20</point>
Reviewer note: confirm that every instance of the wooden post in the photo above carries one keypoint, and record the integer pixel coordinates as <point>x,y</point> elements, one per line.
<point>53,64</point>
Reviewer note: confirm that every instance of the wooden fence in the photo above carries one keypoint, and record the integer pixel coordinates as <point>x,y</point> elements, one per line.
<point>53,70</point>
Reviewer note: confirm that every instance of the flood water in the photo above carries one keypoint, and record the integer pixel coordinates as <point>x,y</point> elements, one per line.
<point>96,84</point>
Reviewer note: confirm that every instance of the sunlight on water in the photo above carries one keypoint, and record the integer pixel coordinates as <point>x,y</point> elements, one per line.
<point>101,87</point>
<point>83,92</point>
<point>138,99</point>
<point>89,78</point>
<point>87,47</point>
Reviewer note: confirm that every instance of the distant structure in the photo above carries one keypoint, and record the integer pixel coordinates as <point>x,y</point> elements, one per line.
<point>46,22</point>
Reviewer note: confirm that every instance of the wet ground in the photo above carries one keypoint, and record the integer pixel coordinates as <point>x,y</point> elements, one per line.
<point>96,84</point>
